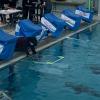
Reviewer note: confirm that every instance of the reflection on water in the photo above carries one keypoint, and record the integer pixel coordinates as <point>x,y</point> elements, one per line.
<point>95,68</point>
<point>80,88</point>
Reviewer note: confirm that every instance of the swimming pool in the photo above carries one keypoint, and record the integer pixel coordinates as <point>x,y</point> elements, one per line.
<point>69,70</point>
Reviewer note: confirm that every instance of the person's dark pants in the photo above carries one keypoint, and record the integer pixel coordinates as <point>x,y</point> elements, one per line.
<point>30,11</point>
<point>41,12</point>
<point>1,18</point>
<point>12,18</point>
<point>44,11</point>
<point>25,12</point>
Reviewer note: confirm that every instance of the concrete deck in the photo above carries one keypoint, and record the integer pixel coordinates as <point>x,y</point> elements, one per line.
<point>47,43</point>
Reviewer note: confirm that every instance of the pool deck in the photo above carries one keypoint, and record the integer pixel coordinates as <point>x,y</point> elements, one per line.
<point>46,43</point>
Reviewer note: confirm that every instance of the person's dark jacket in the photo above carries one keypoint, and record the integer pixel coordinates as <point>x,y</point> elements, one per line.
<point>28,2</point>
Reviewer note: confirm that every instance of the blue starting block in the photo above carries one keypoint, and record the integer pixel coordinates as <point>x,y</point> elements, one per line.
<point>72,20</point>
<point>86,14</point>
<point>54,24</point>
<point>26,28</point>
<point>7,45</point>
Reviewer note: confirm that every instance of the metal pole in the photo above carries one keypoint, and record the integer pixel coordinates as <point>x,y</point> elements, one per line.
<point>89,4</point>
<point>99,8</point>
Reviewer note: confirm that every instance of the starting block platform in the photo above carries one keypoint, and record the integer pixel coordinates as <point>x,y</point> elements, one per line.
<point>47,43</point>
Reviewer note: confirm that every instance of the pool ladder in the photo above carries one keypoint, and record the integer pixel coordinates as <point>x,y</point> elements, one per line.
<point>4,96</point>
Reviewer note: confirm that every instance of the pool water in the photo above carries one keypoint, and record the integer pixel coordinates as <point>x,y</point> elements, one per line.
<point>69,70</point>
